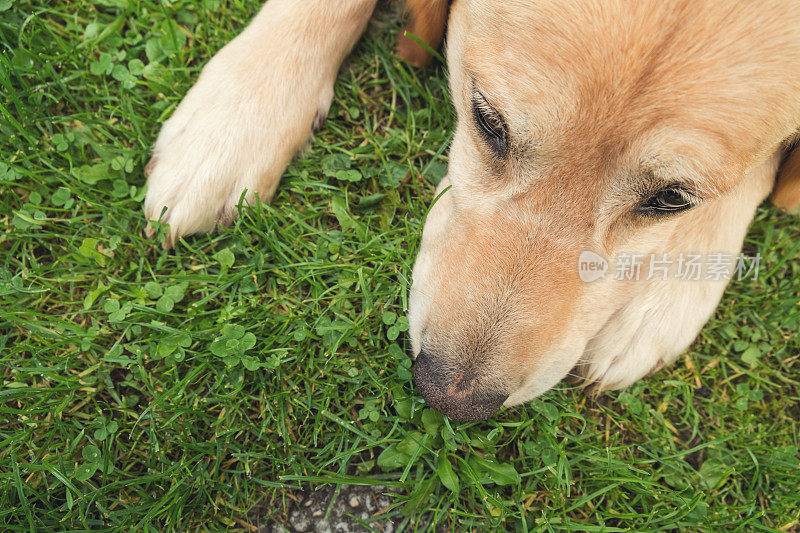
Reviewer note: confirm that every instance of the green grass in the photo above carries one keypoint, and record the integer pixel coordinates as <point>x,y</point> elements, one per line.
<point>203,388</point>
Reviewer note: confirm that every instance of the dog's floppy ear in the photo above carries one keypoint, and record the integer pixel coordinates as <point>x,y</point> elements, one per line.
<point>786,193</point>
<point>426,20</point>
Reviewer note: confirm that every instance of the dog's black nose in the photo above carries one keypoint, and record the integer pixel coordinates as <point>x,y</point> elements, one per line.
<point>458,393</point>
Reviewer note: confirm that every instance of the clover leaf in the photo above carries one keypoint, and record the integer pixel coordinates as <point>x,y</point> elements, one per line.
<point>232,345</point>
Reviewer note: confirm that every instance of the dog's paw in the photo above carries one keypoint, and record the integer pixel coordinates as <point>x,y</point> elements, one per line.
<point>236,130</point>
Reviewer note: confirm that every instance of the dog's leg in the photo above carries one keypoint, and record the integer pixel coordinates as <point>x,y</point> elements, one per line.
<point>786,194</point>
<point>252,109</point>
<point>426,20</point>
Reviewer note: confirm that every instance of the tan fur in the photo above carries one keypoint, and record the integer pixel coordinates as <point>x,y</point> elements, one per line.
<point>250,112</point>
<point>786,194</point>
<point>603,99</point>
<point>426,20</point>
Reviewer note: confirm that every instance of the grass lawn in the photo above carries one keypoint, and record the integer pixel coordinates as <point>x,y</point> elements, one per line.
<point>209,387</point>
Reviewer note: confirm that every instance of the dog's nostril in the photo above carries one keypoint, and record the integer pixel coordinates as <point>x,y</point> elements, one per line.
<point>462,398</point>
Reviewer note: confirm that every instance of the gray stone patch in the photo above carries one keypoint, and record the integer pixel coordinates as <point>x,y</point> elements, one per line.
<point>353,507</point>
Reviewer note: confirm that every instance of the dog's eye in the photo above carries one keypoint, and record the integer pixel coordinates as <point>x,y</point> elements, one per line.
<point>491,124</point>
<point>668,201</point>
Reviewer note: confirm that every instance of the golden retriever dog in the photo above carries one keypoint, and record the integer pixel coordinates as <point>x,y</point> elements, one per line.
<point>600,129</point>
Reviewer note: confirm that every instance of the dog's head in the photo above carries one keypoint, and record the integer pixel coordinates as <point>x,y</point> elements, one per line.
<point>589,132</point>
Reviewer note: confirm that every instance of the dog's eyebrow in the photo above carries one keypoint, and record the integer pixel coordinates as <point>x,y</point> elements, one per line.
<point>476,82</point>
<point>654,175</point>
